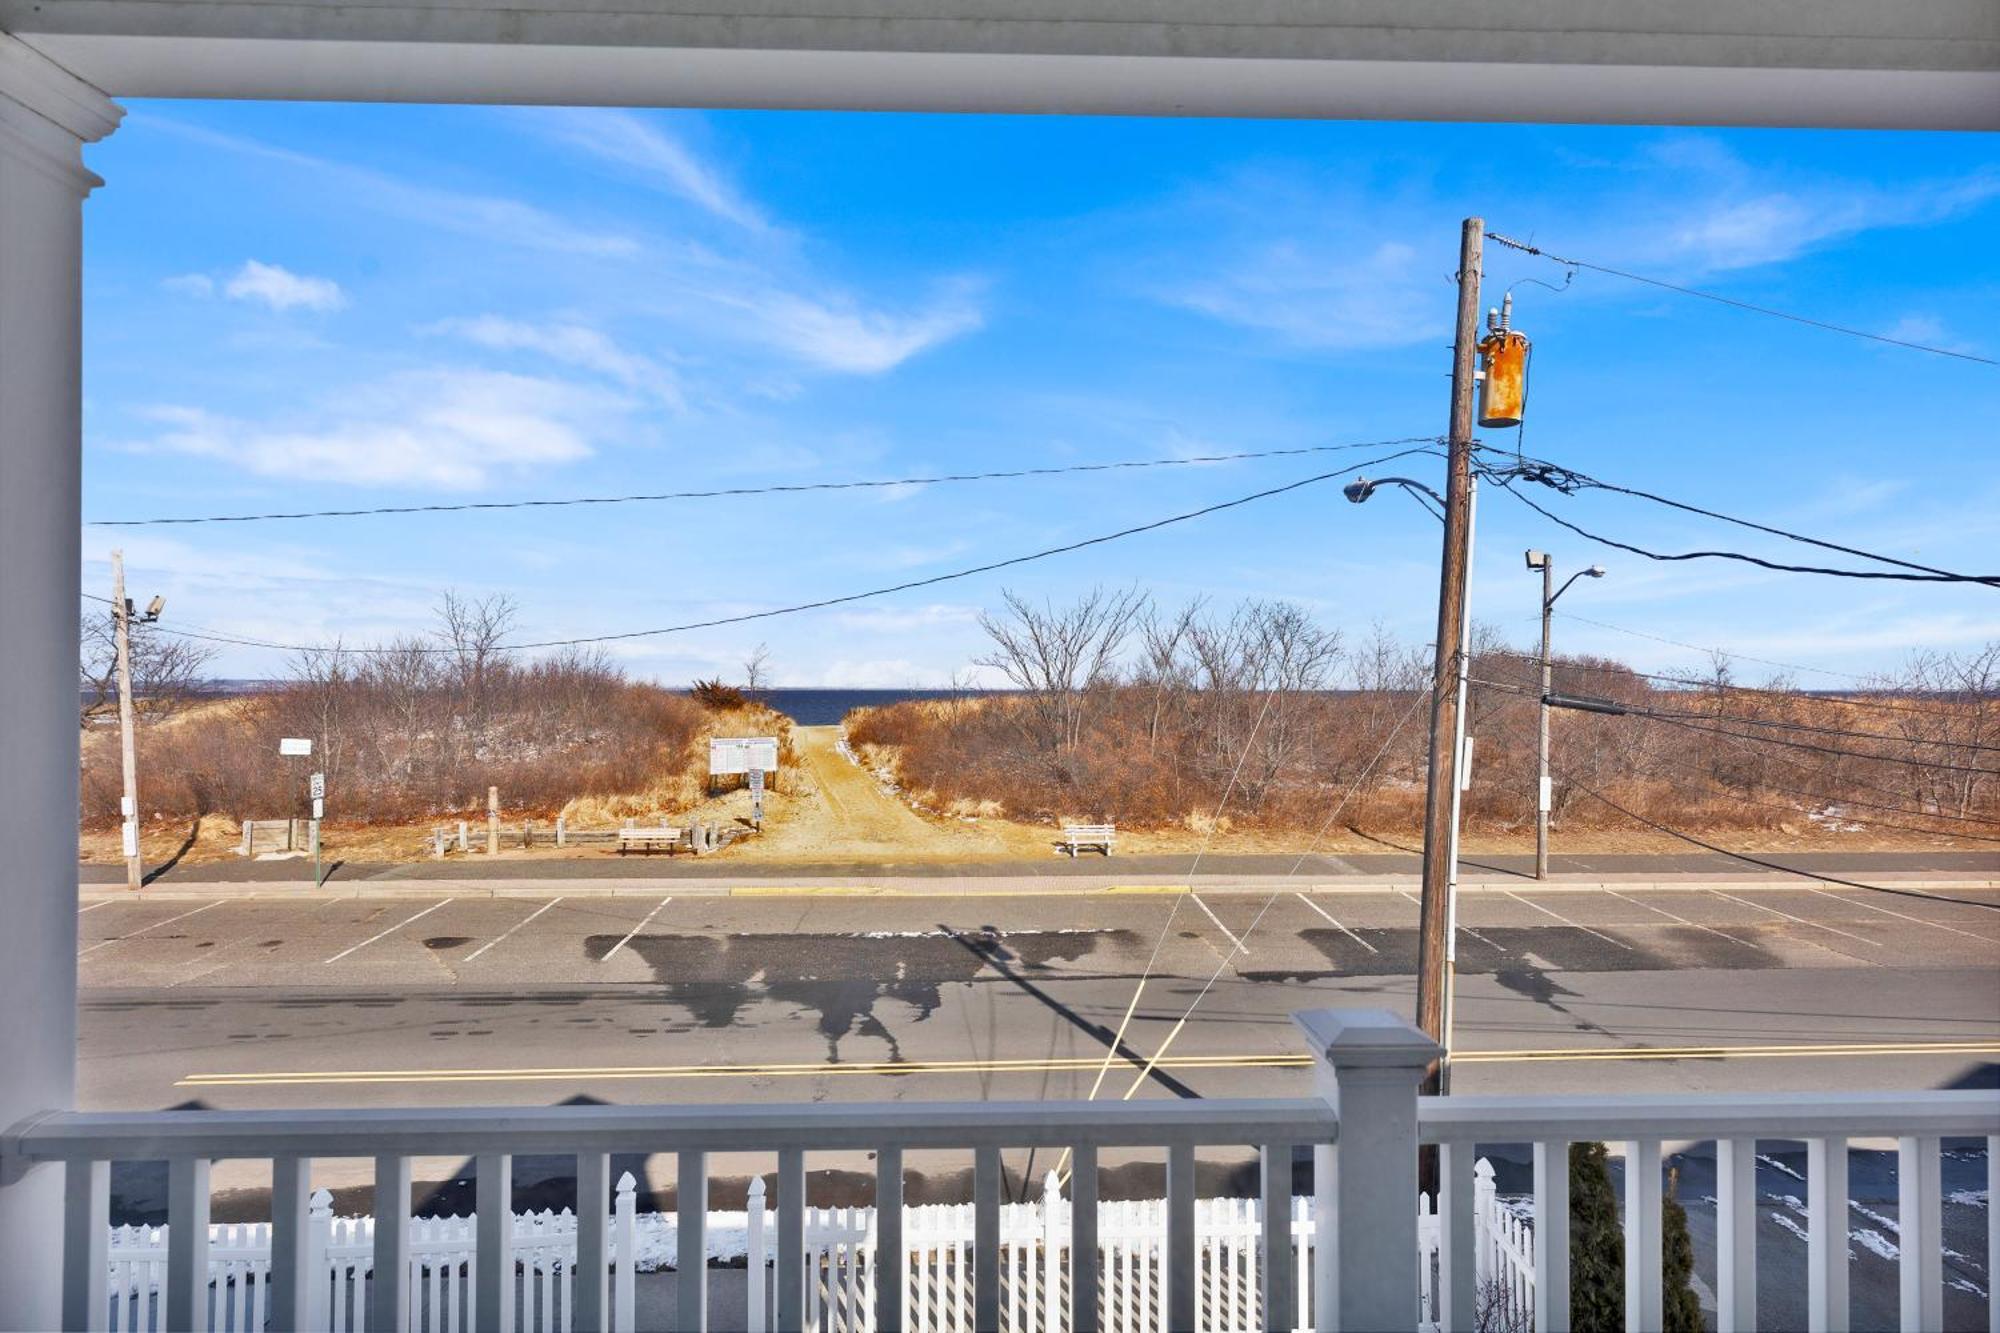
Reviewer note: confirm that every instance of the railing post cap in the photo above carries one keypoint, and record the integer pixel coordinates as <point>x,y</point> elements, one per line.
<point>757,1187</point>
<point>1365,1038</point>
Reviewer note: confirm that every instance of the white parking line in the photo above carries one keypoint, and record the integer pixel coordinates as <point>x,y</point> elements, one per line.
<point>1574,925</point>
<point>635,930</point>
<point>511,929</point>
<point>1336,924</point>
<point>1833,930</point>
<point>390,931</point>
<point>105,944</point>
<point>1922,921</point>
<point>1683,920</point>
<point>1240,946</point>
<point>101,902</point>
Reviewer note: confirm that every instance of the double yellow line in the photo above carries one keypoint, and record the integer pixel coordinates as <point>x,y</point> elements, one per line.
<point>1055,1065</point>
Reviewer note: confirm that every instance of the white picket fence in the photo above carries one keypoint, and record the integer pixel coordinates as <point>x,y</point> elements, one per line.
<point>839,1256</point>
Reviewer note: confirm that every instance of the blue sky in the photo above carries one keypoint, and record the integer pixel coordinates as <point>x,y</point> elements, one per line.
<point>301,306</point>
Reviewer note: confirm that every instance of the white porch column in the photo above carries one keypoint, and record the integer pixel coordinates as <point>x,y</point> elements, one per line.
<point>1367,1063</point>
<point>46,116</point>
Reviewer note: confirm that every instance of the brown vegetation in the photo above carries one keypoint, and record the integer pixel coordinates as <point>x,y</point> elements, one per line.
<point>419,729</point>
<point>1263,718</point>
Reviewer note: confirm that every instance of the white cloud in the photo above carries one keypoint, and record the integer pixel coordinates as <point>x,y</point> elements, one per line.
<point>489,217</point>
<point>635,141</point>
<point>190,284</point>
<point>838,334</point>
<point>571,344</point>
<point>281,289</point>
<point>1320,298</point>
<point>444,428</point>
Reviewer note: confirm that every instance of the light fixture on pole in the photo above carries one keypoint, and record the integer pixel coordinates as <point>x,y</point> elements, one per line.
<point>1542,561</point>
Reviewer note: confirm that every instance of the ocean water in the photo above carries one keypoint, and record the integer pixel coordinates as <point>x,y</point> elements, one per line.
<point>820,708</point>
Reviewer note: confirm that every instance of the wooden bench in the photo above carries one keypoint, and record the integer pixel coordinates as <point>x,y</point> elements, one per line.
<point>1099,836</point>
<point>649,840</point>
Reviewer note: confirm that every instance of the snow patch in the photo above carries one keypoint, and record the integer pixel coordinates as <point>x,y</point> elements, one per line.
<point>1789,1225</point>
<point>1876,1243</point>
<point>1777,1165</point>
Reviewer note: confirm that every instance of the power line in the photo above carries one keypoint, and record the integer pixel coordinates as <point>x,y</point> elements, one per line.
<point>1659,715</point>
<point>844,599</point>
<point>1568,481</point>
<point>1525,248</point>
<point>1689,681</point>
<point>1827,799</point>
<point>1939,576</point>
<point>1772,865</point>
<point>782,489</point>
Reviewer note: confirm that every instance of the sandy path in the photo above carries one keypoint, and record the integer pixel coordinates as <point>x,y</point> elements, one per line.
<point>839,811</point>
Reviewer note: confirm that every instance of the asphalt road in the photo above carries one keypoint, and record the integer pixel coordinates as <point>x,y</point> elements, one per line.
<point>259,1002</point>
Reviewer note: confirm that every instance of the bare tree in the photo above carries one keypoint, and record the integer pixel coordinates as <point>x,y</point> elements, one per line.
<point>472,630</point>
<point>1057,656</point>
<point>757,670</point>
<point>167,671</point>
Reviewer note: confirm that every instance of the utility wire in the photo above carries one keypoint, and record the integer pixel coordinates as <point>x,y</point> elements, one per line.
<point>1525,248</point>
<point>846,598</point>
<point>786,489</point>
<point>1568,480</point>
<point>1675,720</point>
<point>1772,865</point>
<point>1741,720</point>
<point>1941,576</point>
<point>1689,681</point>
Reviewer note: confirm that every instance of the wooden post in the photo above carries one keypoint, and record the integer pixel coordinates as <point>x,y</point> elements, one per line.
<point>464,843</point>
<point>562,831</point>
<point>492,821</point>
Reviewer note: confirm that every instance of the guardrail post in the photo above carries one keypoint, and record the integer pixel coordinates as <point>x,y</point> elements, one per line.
<point>1367,1065</point>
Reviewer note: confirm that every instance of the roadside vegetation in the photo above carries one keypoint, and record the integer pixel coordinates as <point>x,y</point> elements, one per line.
<point>1127,712</point>
<point>415,730</point>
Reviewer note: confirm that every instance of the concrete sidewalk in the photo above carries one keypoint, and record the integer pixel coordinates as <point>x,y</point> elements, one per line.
<point>929,886</point>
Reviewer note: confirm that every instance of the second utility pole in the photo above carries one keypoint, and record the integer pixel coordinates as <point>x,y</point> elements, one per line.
<point>1434,913</point>
<point>128,805</point>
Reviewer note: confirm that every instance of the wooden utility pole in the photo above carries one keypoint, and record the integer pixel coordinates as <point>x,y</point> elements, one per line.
<point>128,806</point>
<point>1435,911</point>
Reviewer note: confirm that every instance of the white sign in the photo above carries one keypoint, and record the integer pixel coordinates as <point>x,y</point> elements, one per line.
<point>741,754</point>
<point>295,745</point>
<point>318,786</point>
<point>757,781</point>
<point>319,808</point>
<point>131,838</point>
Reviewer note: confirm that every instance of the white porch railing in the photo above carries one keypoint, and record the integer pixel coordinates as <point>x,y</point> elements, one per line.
<point>1035,1238</point>
<point>1359,1270</point>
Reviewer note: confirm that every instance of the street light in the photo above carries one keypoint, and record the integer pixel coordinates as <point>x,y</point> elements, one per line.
<point>1361,488</point>
<point>1541,560</point>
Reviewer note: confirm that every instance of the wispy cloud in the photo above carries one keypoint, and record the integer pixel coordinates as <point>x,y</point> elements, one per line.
<point>572,344</point>
<point>489,217</point>
<point>839,333</point>
<point>1322,297</point>
<point>445,428</point>
<point>642,144</point>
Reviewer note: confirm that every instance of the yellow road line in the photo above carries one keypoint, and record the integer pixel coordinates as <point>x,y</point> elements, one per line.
<point>892,1068</point>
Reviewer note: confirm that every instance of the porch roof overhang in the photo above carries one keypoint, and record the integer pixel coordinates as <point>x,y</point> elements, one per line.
<point>1852,63</point>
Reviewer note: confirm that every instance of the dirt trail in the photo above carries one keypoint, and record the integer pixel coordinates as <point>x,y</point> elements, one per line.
<point>840,811</point>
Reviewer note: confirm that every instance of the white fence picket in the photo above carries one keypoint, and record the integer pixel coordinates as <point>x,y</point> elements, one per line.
<point>839,1254</point>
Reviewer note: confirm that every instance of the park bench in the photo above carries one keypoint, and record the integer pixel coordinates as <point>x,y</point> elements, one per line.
<point>649,840</point>
<point>1100,836</point>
